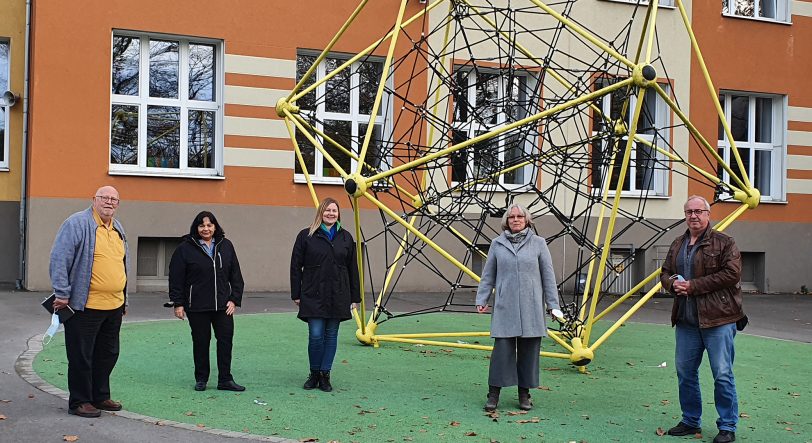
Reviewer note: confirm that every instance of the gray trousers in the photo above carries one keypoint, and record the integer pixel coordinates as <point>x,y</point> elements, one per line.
<point>515,360</point>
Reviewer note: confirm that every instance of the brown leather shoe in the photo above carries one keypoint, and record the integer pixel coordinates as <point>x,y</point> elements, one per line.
<point>85,410</point>
<point>108,405</point>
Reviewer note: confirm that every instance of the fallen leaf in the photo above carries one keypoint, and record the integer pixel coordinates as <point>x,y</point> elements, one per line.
<point>201,425</point>
<point>630,363</point>
<point>30,395</point>
<point>493,414</point>
<point>70,437</point>
<point>660,432</point>
<point>308,439</point>
<point>744,415</point>
<point>665,402</point>
<point>544,388</point>
<point>5,401</point>
<point>344,361</point>
<point>516,412</point>
<point>189,414</point>
<point>532,420</point>
<point>2,417</point>
<point>454,423</point>
<point>470,434</point>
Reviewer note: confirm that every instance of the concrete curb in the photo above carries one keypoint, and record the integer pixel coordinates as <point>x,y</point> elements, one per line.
<point>25,368</point>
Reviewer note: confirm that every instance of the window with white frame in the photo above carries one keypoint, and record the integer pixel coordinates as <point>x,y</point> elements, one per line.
<point>342,112</point>
<point>757,124</point>
<point>4,110</point>
<point>484,101</point>
<point>166,105</point>
<point>646,172</point>
<point>777,10</point>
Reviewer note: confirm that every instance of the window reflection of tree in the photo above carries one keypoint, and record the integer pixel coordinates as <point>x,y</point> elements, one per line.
<point>163,137</point>
<point>125,65</point>
<point>163,69</point>
<point>124,135</point>
<point>201,72</point>
<point>201,135</point>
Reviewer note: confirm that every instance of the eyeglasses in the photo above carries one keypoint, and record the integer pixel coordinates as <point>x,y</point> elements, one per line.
<point>690,212</point>
<point>108,199</point>
<point>516,217</point>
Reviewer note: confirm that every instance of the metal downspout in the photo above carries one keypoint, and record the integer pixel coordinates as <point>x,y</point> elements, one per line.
<point>20,284</point>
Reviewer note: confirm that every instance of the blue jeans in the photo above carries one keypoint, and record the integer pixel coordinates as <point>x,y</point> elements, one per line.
<point>692,342</point>
<point>322,343</point>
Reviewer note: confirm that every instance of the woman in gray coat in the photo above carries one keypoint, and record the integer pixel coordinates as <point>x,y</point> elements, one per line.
<point>519,273</point>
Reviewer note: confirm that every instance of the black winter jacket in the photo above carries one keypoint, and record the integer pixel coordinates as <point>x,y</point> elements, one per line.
<point>202,283</point>
<point>324,275</point>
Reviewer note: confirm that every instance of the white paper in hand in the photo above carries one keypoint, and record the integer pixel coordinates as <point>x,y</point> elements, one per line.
<point>557,314</point>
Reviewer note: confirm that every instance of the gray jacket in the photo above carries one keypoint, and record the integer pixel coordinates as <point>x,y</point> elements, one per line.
<point>523,283</point>
<point>72,257</point>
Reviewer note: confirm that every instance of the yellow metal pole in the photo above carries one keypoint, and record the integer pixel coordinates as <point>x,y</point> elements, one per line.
<point>302,164</point>
<point>316,143</point>
<point>422,237</point>
<point>583,33</point>
<point>495,132</point>
<point>652,9</point>
<point>634,290</point>
<point>328,48</point>
<point>714,97</point>
<point>381,87</point>
<point>607,244</point>
<point>359,256</point>
<point>364,52</point>
<point>719,227</point>
<point>698,135</point>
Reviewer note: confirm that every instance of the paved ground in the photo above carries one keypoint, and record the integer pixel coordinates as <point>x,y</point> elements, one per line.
<point>32,415</point>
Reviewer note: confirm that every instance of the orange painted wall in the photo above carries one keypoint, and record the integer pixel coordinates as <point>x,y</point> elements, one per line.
<point>71,87</point>
<point>753,56</point>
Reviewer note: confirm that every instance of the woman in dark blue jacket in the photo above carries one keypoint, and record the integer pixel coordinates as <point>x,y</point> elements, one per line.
<point>324,283</point>
<point>205,284</point>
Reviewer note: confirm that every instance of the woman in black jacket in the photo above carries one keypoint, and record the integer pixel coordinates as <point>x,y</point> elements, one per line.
<point>324,283</point>
<point>205,284</point>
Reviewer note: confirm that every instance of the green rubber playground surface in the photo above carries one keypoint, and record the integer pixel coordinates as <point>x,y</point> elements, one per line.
<point>399,393</point>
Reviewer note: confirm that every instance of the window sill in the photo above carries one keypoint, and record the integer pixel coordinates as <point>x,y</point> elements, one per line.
<point>166,175</point>
<point>3,169</point>
<point>758,19</point>
<point>299,179</point>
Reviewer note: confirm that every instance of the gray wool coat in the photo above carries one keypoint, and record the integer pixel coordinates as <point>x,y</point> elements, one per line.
<point>522,282</point>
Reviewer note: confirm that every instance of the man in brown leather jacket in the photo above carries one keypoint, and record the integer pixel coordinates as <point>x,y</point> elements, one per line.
<point>703,272</point>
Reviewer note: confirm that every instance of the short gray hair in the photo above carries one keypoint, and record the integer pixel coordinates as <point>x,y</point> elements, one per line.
<point>698,197</point>
<point>527,218</point>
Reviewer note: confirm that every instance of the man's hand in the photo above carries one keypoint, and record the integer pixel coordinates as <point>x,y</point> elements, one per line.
<point>682,287</point>
<point>179,312</point>
<point>482,309</point>
<point>296,301</point>
<point>231,308</point>
<point>60,303</point>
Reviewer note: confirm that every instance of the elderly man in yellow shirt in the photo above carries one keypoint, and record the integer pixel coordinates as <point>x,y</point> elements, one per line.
<point>89,273</point>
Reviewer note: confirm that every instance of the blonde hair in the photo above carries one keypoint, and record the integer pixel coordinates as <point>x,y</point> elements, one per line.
<point>320,211</point>
<point>527,218</point>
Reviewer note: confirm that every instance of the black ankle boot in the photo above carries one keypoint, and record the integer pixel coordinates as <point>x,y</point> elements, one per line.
<point>525,403</point>
<point>493,398</point>
<point>313,380</point>
<point>324,383</point>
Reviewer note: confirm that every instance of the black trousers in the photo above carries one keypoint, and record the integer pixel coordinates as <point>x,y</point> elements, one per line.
<point>515,361</point>
<point>92,346</point>
<point>202,323</point>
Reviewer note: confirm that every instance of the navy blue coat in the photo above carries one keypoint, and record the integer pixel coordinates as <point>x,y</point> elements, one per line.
<point>324,275</point>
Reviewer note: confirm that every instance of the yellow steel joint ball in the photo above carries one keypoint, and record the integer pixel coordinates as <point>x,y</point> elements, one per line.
<point>283,105</point>
<point>355,185</point>
<point>368,338</point>
<point>580,356</point>
<point>620,128</point>
<point>751,200</point>
<point>644,75</point>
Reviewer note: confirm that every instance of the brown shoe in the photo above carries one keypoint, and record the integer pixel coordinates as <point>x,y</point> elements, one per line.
<point>108,405</point>
<point>85,410</point>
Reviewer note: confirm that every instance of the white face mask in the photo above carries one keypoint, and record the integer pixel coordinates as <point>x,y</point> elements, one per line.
<point>49,334</point>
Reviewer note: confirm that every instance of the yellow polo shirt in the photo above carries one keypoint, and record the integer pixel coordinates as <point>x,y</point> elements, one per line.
<point>108,277</point>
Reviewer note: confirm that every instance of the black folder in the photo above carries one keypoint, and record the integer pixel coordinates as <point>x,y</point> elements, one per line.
<point>64,313</point>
